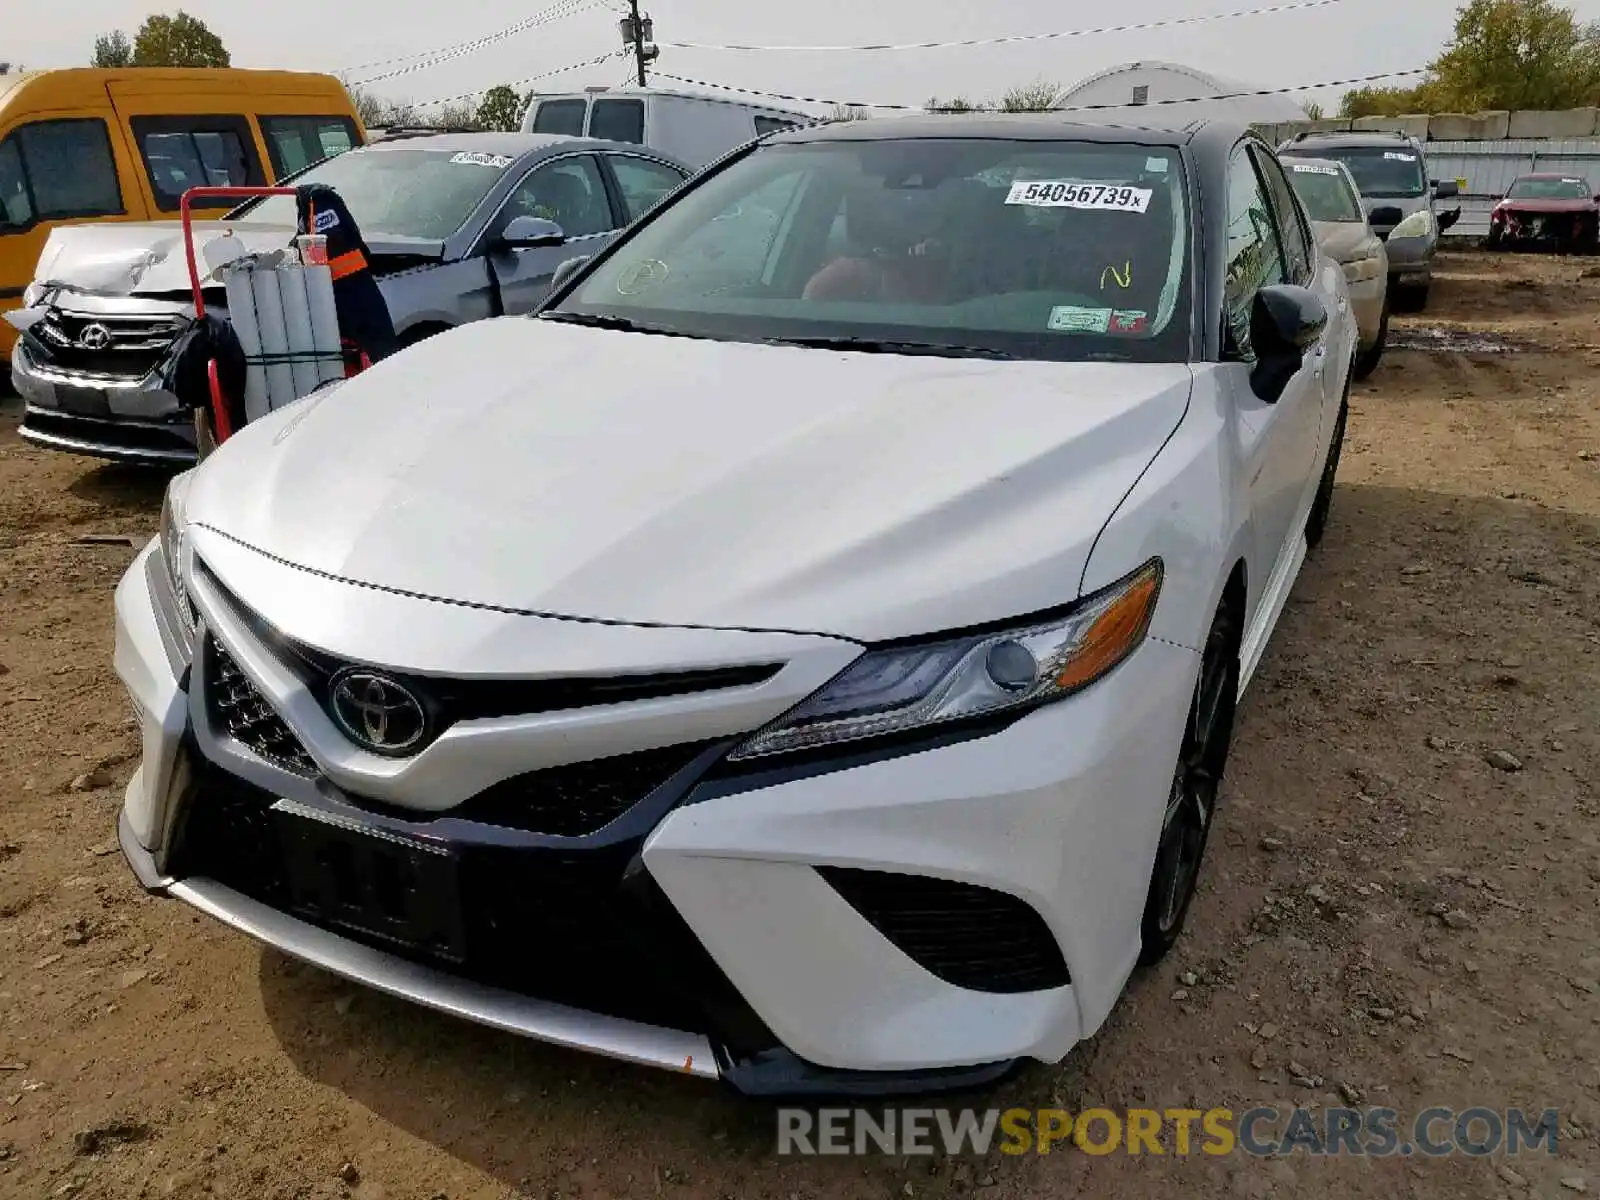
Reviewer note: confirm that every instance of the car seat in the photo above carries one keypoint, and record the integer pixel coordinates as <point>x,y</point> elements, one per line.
<point>570,204</point>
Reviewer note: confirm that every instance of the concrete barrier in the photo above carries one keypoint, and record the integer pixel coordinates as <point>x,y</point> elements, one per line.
<point>1469,127</point>
<point>1572,122</point>
<point>1416,127</point>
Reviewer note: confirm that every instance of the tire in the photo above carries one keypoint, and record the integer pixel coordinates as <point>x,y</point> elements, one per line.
<point>1317,518</point>
<point>1196,781</point>
<point>1410,299</point>
<point>1496,238</point>
<point>1366,361</point>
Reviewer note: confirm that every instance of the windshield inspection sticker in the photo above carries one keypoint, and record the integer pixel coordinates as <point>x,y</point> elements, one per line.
<point>1128,320</point>
<point>1071,319</point>
<point>1397,156</point>
<point>474,158</point>
<point>1066,193</point>
<point>1308,169</point>
<point>1156,166</point>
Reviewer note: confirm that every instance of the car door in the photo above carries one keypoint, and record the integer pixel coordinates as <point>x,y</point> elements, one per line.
<point>568,190</point>
<point>1279,438</point>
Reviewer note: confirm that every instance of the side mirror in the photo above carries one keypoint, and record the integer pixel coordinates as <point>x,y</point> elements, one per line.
<point>1285,322</point>
<point>1447,219</point>
<point>1444,189</point>
<point>566,271</point>
<point>522,232</point>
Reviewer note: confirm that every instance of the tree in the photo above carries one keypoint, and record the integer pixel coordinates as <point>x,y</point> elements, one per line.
<point>113,50</point>
<point>847,112</point>
<point>501,108</point>
<point>458,116</point>
<point>178,41</point>
<point>956,104</point>
<point>1039,96</point>
<point>1504,54</point>
<point>371,108</point>
<point>1314,111</point>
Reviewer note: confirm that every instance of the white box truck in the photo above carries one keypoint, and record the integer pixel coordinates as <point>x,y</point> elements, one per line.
<point>693,129</point>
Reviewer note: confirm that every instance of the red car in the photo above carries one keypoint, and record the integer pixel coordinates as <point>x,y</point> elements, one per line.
<point>1550,211</point>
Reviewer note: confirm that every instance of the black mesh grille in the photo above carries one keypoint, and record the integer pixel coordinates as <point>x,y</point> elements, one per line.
<point>580,799</point>
<point>240,711</point>
<point>972,937</point>
<point>116,347</point>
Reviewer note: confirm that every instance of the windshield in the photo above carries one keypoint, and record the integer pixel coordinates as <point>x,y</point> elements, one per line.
<point>1325,193</point>
<point>1530,187</point>
<point>1383,172</point>
<point>409,193</point>
<point>1035,249</point>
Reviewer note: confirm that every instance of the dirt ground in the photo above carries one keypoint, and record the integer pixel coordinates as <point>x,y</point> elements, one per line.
<point>1403,920</point>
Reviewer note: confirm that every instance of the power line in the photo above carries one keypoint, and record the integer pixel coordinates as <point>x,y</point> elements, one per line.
<point>1021,37</point>
<point>1282,91</point>
<point>508,31</point>
<point>517,83</point>
<point>462,50</point>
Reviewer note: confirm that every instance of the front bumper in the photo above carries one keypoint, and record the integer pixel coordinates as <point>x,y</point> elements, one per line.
<point>775,981</point>
<point>124,420</point>
<point>1367,300</point>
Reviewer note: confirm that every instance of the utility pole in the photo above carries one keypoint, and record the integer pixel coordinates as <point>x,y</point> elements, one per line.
<point>638,31</point>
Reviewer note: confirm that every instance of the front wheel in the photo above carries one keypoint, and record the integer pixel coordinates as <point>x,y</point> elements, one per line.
<point>1367,360</point>
<point>1317,518</point>
<point>1192,801</point>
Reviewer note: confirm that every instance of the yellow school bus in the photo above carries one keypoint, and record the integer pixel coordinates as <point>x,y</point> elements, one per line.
<point>123,144</point>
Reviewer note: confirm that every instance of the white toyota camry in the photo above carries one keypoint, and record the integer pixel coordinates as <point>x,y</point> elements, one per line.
<point>806,653</point>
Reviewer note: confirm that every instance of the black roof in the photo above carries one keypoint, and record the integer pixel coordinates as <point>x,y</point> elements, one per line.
<point>1139,125</point>
<point>1304,143</point>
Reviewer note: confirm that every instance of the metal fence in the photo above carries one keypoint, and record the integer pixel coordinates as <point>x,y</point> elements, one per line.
<point>1489,167</point>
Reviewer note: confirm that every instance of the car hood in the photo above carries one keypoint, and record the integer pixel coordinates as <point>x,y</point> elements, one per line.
<point>555,469</point>
<point>1343,241</point>
<point>1554,205</point>
<point>142,258</point>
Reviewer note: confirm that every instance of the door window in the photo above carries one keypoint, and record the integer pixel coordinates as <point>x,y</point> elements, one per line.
<point>617,121</point>
<point>1294,238</point>
<point>184,152</point>
<point>1254,260</point>
<point>569,192</point>
<point>16,205</point>
<point>294,143</point>
<point>642,182</point>
<point>561,116</point>
<point>58,170</point>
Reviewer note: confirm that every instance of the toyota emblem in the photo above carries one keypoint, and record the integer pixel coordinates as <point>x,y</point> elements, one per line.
<point>376,712</point>
<point>94,337</point>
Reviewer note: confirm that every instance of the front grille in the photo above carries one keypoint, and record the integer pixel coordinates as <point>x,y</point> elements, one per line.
<point>566,926</point>
<point>581,798</point>
<point>129,348</point>
<point>240,710</point>
<point>972,937</point>
<point>175,437</point>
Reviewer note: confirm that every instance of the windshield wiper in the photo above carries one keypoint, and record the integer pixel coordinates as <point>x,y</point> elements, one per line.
<point>606,321</point>
<point>877,346</point>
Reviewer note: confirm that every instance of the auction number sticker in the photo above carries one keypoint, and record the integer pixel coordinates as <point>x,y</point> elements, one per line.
<point>1397,156</point>
<point>1308,169</point>
<point>1066,193</point>
<point>473,158</point>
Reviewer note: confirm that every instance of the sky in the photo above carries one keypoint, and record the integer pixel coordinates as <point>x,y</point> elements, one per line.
<point>1344,39</point>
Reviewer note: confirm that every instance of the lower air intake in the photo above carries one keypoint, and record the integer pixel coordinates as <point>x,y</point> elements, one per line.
<point>968,936</point>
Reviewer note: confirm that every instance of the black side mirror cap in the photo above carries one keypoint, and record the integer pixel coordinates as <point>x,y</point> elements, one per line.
<point>1285,321</point>
<point>1444,189</point>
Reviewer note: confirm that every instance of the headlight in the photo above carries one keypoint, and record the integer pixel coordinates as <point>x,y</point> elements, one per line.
<point>172,533</point>
<point>906,688</point>
<point>1418,224</point>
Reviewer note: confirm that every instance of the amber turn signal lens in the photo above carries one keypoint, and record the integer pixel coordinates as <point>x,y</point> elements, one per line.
<point>1116,632</point>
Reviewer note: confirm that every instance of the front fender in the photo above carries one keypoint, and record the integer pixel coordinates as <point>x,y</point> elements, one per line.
<point>1188,508</point>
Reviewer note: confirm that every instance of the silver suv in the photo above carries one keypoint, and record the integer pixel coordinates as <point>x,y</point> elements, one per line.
<point>1391,170</point>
